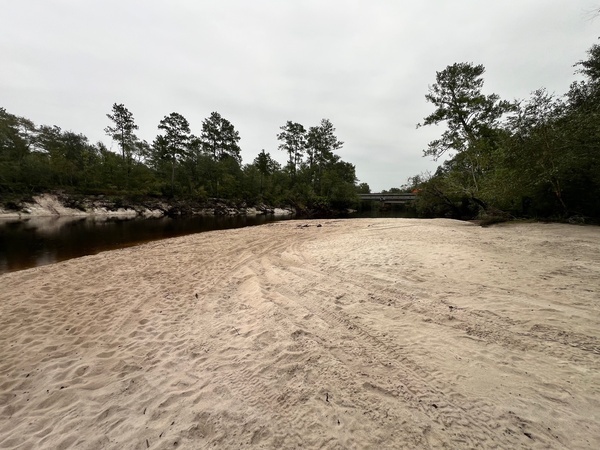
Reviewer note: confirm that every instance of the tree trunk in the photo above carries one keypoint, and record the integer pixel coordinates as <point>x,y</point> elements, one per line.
<point>173,177</point>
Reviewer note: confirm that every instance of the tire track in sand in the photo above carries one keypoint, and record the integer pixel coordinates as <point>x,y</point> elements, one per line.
<point>470,422</point>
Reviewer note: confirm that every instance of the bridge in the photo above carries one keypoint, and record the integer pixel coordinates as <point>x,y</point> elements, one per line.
<point>388,198</point>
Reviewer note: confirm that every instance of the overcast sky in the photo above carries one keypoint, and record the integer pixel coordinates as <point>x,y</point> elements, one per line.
<point>363,64</point>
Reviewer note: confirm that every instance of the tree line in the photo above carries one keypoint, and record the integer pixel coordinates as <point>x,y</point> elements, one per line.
<point>177,163</point>
<point>539,157</point>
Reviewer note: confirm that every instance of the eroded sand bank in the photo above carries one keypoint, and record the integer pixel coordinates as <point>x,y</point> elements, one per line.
<point>366,333</point>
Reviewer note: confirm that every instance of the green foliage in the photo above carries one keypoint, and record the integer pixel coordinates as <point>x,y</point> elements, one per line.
<point>321,143</point>
<point>265,166</point>
<point>470,115</point>
<point>317,175</point>
<point>173,146</point>
<point>540,161</point>
<point>219,138</point>
<point>177,163</point>
<point>122,129</point>
<point>293,141</point>
<point>219,142</point>
<point>363,188</point>
<point>591,66</point>
<point>472,120</point>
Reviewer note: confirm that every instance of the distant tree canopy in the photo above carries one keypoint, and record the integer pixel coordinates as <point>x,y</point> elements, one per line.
<point>219,138</point>
<point>174,145</point>
<point>122,129</point>
<point>533,158</point>
<point>315,171</point>
<point>177,162</point>
<point>537,157</point>
<point>293,141</point>
<point>363,188</point>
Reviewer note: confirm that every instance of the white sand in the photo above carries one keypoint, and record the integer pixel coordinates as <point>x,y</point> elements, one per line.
<point>359,334</point>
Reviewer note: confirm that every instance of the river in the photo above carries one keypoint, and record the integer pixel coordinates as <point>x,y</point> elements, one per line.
<point>38,241</point>
<point>46,240</point>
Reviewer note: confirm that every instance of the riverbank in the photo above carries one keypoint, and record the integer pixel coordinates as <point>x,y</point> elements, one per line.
<point>368,333</point>
<point>52,204</point>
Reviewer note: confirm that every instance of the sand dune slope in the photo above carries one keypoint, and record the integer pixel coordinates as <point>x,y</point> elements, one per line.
<point>388,333</point>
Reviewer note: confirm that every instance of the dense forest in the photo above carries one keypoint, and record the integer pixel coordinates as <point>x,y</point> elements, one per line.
<point>538,157</point>
<point>534,158</point>
<point>177,164</point>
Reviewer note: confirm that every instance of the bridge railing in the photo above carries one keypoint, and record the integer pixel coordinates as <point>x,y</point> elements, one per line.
<point>388,197</point>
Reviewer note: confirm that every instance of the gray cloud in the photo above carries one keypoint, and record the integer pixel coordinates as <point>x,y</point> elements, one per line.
<point>365,65</point>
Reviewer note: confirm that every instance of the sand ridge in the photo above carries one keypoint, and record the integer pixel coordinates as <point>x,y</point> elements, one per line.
<point>365,333</point>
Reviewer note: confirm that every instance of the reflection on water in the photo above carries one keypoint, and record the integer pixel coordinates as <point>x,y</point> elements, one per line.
<point>45,240</point>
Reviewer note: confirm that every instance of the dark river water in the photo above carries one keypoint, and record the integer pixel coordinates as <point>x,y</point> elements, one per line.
<point>45,240</point>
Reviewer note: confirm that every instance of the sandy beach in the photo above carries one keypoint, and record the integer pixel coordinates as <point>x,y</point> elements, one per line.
<point>363,333</point>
